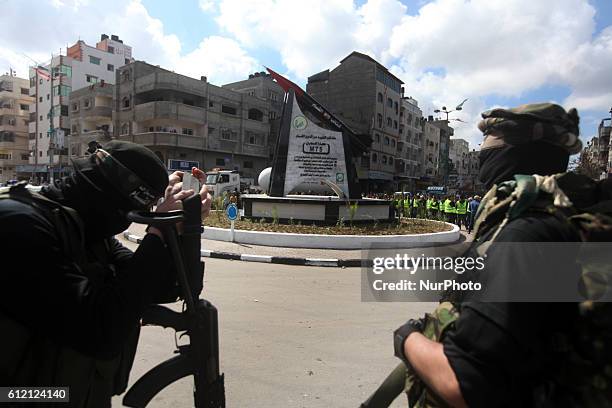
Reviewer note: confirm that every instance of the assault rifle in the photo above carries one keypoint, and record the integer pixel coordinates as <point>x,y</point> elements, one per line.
<point>198,320</point>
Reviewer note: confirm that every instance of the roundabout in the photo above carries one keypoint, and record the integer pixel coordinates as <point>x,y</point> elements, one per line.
<point>409,233</point>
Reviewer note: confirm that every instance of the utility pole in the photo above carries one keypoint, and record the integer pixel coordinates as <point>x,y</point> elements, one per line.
<point>51,129</point>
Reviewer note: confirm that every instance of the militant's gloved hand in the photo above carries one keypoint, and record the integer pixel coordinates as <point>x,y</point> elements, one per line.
<point>401,334</point>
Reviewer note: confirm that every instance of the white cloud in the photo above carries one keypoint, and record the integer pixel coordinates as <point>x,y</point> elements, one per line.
<point>220,59</point>
<point>501,48</point>
<point>448,51</point>
<point>308,35</point>
<point>207,6</point>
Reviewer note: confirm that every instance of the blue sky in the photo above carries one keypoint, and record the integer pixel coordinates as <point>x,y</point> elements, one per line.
<point>493,52</point>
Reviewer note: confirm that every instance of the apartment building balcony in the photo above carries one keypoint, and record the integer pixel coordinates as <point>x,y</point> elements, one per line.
<point>166,139</point>
<point>237,147</point>
<point>96,112</point>
<point>169,110</point>
<point>170,81</point>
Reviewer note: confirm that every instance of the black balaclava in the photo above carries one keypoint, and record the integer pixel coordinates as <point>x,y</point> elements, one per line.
<point>101,205</point>
<point>502,163</point>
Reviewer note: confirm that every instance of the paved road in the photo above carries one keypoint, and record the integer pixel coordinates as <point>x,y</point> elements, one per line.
<point>290,337</point>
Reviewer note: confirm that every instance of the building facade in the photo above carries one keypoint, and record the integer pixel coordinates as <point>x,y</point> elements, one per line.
<point>15,101</point>
<point>473,185</point>
<point>187,119</point>
<point>431,152</point>
<point>446,132</point>
<point>410,153</point>
<point>91,117</point>
<point>261,85</point>
<point>51,85</point>
<point>458,161</point>
<point>367,97</point>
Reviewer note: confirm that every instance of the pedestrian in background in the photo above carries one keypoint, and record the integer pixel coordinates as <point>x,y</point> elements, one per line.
<point>472,209</point>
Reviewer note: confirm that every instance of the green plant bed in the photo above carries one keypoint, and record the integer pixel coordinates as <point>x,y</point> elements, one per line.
<point>407,226</point>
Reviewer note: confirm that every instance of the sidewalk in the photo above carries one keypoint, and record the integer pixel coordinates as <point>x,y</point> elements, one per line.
<point>277,254</point>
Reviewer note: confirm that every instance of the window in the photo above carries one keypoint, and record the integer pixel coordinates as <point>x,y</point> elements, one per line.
<point>75,107</point>
<point>390,102</point>
<point>228,109</point>
<point>110,67</point>
<point>210,104</point>
<point>94,60</point>
<point>391,160</point>
<point>61,90</point>
<point>125,102</point>
<point>62,70</point>
<point>272,115</point>
<point>374,157</point>
<point>110,50</point>
<point>25,156</point>
<point>25,91</point>
<point>48,96</point>
<point>40,135</point>
<point>125,129</point>
<point>396,107</point>
<point>40,117</point>
<point>273,96</point>
<point>7,137</point>
<point>386,140</point>
<point>248,165</point>
<point>127,61</point>
<point>40,153</point>
<point>377,137</point>
<point>219,162</point>
<point>393,142</point>
<point>379,120</point>
<point>86,103</point>
<point>384,159</point>
<point>24,107</point>
<point>40,82</point>
<point>187,131</point>
<point>380,97</point>
<point>74,129</point>
<point>40,99</point>
<point>227,134</point>
<point>395,124</point>
<point>91,79</point>
<point>256,114</point>
<point>5,156</point>
<point>389,121</point>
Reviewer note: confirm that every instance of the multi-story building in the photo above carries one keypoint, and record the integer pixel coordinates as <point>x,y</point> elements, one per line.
<point>604,146</point>
<point>15,103</point>
<point>51,84</point>
<point>410,146</point>
<point>261,85</point>
<point>366,96</point>
<point>473,185</point>
<point>431,151</point>
<point>91,117</point>
<point>446,132</point>
<point>186,119</point>
<point>458,163</point>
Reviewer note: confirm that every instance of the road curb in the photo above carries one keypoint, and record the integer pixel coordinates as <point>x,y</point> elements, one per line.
<point>335,263</point>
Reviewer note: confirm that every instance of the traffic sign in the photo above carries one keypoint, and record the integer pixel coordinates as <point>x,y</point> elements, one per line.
<point>182,165</point>
<point>232,212</point>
